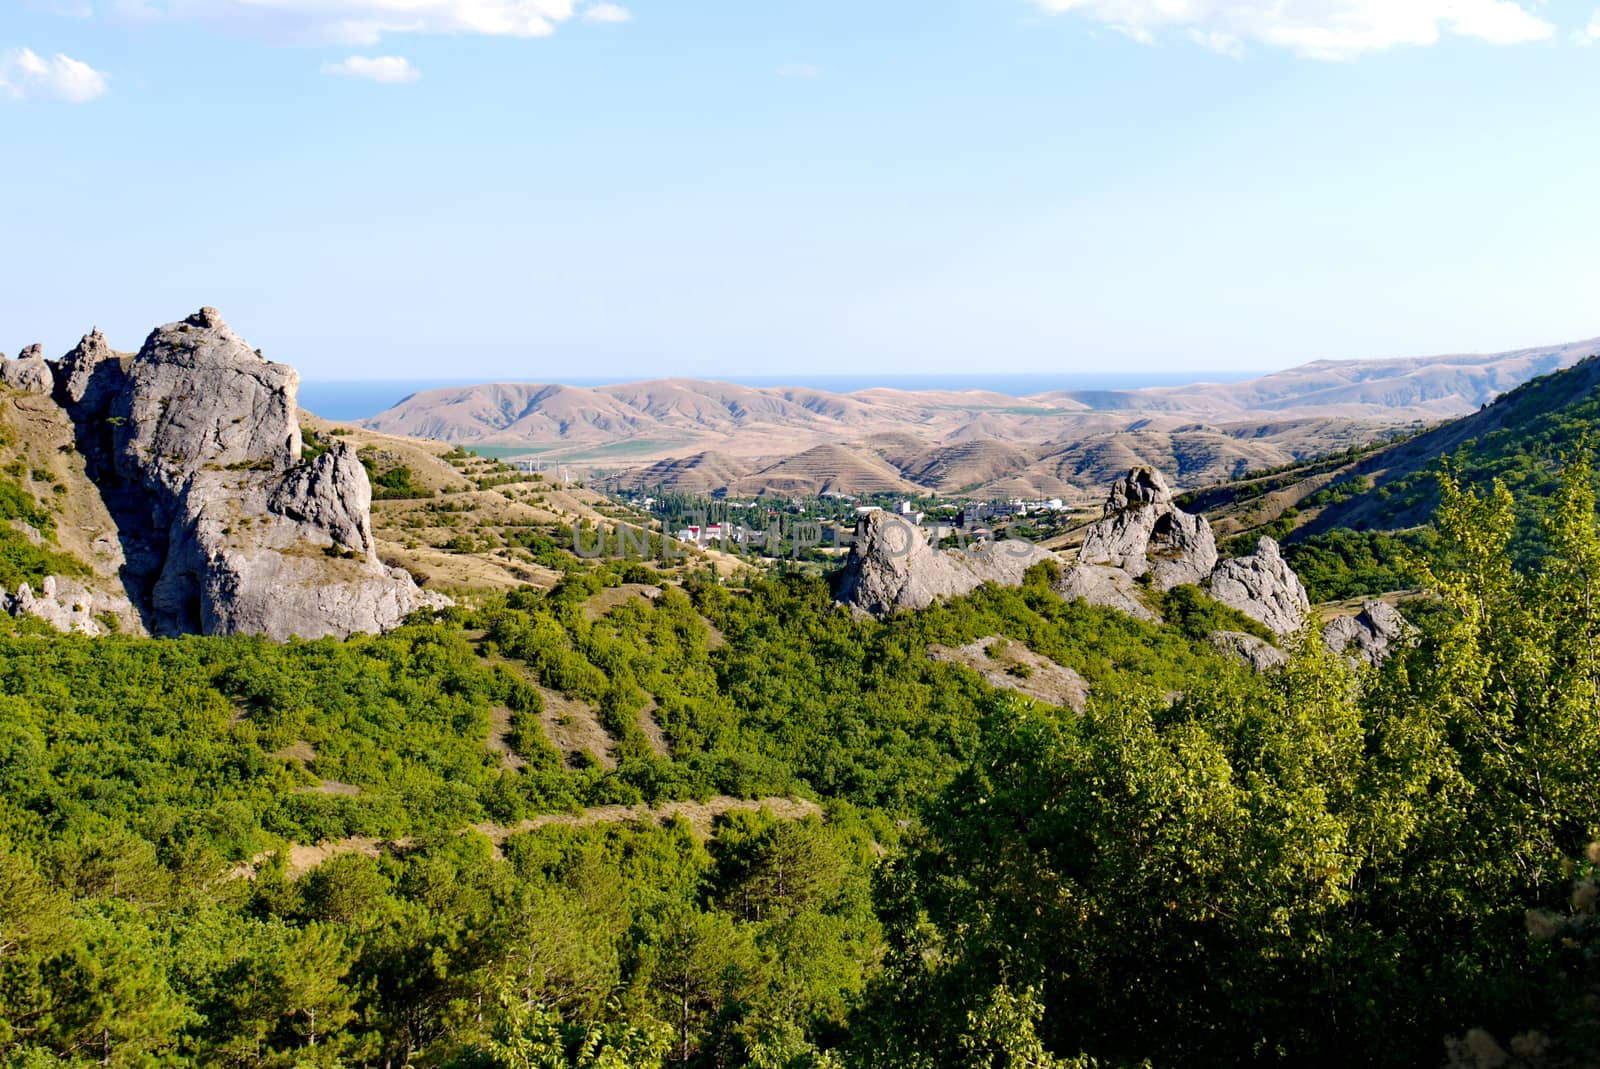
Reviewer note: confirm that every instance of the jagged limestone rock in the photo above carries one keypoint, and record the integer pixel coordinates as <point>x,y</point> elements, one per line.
<point>893,567</point>
<point>196,445</point>
<point>331,492</point>
<point>1142,535</point>
<point>1264,588</point>
<point>1142,531</point>
<point>89,372</point>
<point>67,605</point>
<point>1249,650</point>
<point>28,373</point>
<point>198,399</point>
<point>1104,585</point>
<point>1369,636</point>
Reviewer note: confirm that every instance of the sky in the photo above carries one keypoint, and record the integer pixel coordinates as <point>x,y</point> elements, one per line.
<point>549,189</point>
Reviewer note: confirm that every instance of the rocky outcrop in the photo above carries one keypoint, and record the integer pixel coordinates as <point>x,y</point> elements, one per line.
<point>89,373</point>
<point>196,447</point>
<point>1105,585</point>
<point>1369,636</point>
<point>1264,588</point>
<point>28,373</point>
<point>68,605</point>
<point>1143,533</point>
<point>1249,650</point>
<point>1142,536</point>
<point>333,493</point>
<point>892,566</point>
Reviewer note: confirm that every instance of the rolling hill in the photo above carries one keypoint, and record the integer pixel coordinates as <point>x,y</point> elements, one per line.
<point>705,437</point>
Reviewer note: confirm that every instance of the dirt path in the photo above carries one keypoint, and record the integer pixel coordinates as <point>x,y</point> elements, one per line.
<point>700,815</point>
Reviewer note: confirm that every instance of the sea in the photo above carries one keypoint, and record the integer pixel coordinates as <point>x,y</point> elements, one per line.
<point>353,399</point>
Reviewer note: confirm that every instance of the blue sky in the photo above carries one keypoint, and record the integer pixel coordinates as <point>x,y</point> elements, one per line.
<point>539,189</point>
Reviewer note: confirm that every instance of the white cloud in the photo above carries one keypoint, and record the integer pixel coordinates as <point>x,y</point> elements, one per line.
<point>24,73</point>
<point>799,70</point>
<point>361,22</point>
<point>1590,34</point>
<point>606,13</point>
<point>1321,29</point>
<point>389,70</point>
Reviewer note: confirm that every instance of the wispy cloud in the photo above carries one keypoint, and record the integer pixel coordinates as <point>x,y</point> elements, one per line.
<point>1320,29</point>
<point>387,70</point>
<point>24,73</point>
<point>606,13</point>
<point>361,22</point>
<point>1591,33</point>
<point>799,70</point>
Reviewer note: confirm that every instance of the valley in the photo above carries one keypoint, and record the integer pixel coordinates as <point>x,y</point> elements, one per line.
<point>591,744</point>
<point>719,438</point>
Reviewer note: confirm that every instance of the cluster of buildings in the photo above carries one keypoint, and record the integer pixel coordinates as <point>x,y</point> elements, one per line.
<point>984,513</point>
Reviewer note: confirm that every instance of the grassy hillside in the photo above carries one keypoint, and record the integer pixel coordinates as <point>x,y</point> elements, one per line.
<point>1520,439</point>
<point>224,851</point>
<point>1351,520</point>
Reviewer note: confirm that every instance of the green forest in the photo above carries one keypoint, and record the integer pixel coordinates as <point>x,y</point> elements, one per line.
<point>1208,867</point>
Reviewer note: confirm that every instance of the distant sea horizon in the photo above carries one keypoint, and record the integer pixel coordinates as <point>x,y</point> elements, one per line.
<point>361,398</point>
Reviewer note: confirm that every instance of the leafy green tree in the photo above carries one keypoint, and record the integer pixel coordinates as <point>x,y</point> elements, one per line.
<point>536,1037</point>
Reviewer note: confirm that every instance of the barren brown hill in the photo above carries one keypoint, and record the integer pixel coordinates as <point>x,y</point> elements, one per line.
<point>1436,387</point>
<point>701,473</point>
<point>826,469</point>
<point>702,437</point>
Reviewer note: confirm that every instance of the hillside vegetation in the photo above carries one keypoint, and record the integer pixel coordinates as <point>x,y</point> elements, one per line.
<point>1206,867</point>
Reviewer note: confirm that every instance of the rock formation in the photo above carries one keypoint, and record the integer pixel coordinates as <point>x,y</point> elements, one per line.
<point>1141,535</point>
<point>195,446</point>
<point>1264,588</point>
<point>1105,585</point>
<point>1142,532</point>
<point>68,605</point>
<point>1255,652</point>
<point>893,567</point>
<point>88,372</point>
<point>1369,636</point>
<point>28,373</point>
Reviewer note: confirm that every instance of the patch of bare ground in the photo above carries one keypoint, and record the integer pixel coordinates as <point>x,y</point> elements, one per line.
<point>499,736</point>
<point>1008,664</point>
<point>653,733</point>
<point>302,859</point>
<point>300,751</point>
<point>331,787</point>
<point>574,727</point>
<point>613,596</point>
<point>302,754</point>
<point>701,817</point>
<point>1352,606</point>
<point>440,569</point>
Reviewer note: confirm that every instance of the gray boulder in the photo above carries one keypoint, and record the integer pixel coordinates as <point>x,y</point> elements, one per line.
<point>198,399</point>
<point>1369,636</point>
<point>28,373</point>
<point>892,566</point>
<point>1249,650</point>
<point>1264,588</point>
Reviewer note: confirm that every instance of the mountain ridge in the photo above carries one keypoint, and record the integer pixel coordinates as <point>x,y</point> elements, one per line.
<point>655,431</point>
